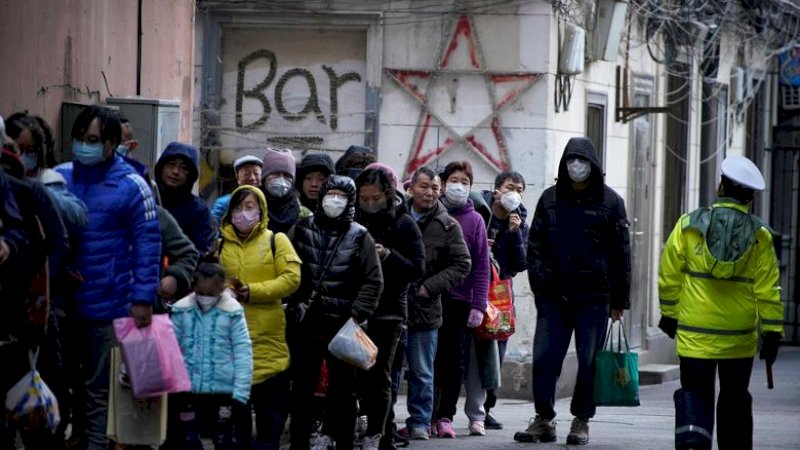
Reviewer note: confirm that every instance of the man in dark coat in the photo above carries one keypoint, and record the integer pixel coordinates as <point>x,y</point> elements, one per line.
<point>176,172</point>
<point>579,265</point>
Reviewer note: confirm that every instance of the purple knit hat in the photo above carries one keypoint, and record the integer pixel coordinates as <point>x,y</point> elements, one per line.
<point>390,173</point>
<point>278,160</point>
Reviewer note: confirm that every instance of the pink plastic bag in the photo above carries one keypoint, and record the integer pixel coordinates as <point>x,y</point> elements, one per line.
<point>152,356</point>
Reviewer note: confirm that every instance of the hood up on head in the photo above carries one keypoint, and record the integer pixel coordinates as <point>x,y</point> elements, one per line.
<point>189,154</point>
<point>346,185</point>
<point>262,203</point>
<point>584,148</point>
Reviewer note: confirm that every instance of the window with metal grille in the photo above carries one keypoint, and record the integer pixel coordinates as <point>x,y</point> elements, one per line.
<point>596,123</point>
<point>677,142</point>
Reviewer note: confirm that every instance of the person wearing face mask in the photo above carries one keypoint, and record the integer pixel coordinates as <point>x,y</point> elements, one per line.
<point>248,172</point>
<point>508,238</point>
<point>341,279</point>
<point>277,183</point>
<point>263,268</point>
<point>118,252</point>
<point>579,267</point>
<point>176,171</point>
<point>398,242</point>
<point>210,326</point>
<point>463,309</point>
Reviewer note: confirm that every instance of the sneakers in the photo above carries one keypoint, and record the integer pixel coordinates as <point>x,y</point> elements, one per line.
<point>539,430</point>
<point>477,428</point>
<point>415,433</point>
<point>371,442</point>
<point>445,429</point>
<point>322,442</point>
<point>491,423</point>
<point>578,432</point>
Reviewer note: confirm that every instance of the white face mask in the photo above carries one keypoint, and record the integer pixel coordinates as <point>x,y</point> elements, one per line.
<point>511,200</point>
<point>456,194</point>
<point>333,207</point>
<point>279,187</point>
<point>579,169</point>
<point>206,302</point>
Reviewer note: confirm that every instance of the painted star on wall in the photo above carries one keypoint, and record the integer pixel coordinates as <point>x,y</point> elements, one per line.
<point>461,99</point>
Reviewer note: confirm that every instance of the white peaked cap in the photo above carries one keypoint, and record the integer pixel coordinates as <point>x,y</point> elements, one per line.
<point>246,159</point>
<point>742,171</point>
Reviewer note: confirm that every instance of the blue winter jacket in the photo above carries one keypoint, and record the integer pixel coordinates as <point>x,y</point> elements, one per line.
<point>118,250</point>
<point>220,207</point>
<point>216,346</point>
<point>191,212</point>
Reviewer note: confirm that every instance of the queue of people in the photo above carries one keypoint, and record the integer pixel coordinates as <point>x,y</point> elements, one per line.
<point>259,284</point>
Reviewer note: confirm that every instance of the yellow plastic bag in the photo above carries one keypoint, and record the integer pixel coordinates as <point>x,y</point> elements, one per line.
<point>132,421</point>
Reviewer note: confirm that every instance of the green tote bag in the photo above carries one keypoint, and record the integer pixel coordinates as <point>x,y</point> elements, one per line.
<point>616,372</point>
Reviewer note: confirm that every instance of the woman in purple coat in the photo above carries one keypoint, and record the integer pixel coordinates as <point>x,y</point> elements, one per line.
<point>462,309</point>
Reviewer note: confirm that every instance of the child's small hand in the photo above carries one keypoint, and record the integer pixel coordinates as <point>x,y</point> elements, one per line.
<point>243,294</point>
<point>168,287</point>
<point>234,283</point>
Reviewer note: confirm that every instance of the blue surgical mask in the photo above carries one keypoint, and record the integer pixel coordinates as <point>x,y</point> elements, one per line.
<point>122,150</point>
<point>87,154</point>
<point>30,161</point>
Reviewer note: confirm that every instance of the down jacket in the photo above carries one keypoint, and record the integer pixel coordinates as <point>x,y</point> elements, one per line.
<point>271,277</point>
<point>352,284</point>
<point>119,249</point>
<point>215,345</point>
<point>579,246</point>
<point>447,263</point>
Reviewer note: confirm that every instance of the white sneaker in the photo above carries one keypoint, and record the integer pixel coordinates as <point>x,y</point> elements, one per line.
<point>371,442</point>
<point>322,442</point>
<point>477,428</point>
<point>361,426</point>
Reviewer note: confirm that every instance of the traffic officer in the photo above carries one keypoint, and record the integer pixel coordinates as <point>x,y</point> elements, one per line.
<point>718,287</point>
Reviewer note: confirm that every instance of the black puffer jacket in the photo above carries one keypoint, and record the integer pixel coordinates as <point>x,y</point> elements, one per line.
<point>447,263</point>
<point>398,232</point>
<point>579,246</point>
<point>353,281</point>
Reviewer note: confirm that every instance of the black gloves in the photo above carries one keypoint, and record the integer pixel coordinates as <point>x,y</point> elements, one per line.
<point>770,341</point>
<point>669,326</point>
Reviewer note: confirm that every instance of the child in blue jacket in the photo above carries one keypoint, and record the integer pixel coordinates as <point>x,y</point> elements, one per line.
<point>217,350</point>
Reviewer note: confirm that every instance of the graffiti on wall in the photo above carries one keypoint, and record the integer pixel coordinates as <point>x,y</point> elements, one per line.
<point>461,99</point>
<point>311,107</point>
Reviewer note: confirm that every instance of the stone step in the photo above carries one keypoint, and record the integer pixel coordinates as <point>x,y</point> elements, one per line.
<point>658,373</point>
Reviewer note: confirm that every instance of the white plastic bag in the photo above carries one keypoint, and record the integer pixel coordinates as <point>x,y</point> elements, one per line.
<point>352,345</point>
<point>31,402</point>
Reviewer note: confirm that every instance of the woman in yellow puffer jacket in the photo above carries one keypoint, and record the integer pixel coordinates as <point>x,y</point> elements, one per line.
<point>261,277</point>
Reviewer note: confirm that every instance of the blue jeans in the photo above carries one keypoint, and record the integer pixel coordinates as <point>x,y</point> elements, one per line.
<point>554,326</point>
<point>421,352</point>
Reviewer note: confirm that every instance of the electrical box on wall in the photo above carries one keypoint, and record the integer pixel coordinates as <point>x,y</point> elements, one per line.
<point>571,60</point>
<point>155,124</point>
<point>609,25</point>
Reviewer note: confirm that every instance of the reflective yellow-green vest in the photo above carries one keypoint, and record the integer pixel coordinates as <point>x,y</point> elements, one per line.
<point>720,305</point>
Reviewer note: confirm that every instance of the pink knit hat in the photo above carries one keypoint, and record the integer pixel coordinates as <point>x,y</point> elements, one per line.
<point>278,160</point>
<point>385,169</point>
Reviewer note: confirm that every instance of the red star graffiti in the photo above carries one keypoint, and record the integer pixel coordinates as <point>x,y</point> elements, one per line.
<point>484,137</point>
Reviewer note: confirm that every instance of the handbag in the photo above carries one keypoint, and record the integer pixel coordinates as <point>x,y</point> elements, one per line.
<point>499,321</point>
<point>616,372</point>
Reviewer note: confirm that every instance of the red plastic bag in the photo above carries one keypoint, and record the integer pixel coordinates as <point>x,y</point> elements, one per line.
<point>322,385</point>
<point>152,357</point>
<point>498,322</point>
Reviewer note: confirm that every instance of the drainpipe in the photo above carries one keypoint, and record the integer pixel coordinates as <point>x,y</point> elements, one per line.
<point>139,49</point>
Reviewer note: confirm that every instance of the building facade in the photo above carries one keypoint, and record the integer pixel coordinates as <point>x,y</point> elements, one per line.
<point>504,85</point>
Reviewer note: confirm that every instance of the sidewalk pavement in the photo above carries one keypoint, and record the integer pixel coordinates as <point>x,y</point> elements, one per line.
<point>650,426</point>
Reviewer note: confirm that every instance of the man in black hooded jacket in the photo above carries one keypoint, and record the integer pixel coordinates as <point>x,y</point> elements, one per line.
<point>578,265</point>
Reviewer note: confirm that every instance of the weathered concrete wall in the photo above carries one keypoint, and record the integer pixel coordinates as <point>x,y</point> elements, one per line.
<point>84,51</point>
